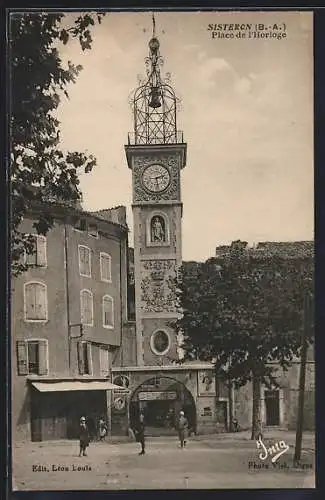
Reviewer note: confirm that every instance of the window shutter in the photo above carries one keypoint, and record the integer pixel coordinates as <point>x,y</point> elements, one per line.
<point>88,308</point>
<point>90,361</point>
<point>43,357</point>
<point>108,311</point>
<point>30,300</point>
<point>41,251</point>
<point>104,362</point>
<point>87,261</point>
<point>41,312</point>
<point>82,260</point>
<point>81,361</point>
<point>102,267</point>
<point>82,307</point>
<point>22,365</point>
<point>105,267</point>
<point>31,258</point>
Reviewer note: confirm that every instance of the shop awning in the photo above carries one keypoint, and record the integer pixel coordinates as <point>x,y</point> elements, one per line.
<point>77,385</point>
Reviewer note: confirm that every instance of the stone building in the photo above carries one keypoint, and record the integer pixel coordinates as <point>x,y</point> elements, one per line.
<point>69,313</point>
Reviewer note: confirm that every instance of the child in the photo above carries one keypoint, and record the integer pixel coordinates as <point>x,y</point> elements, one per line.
<point>102,428</point>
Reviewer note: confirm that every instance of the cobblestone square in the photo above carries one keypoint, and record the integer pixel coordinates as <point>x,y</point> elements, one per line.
<point>210,462</point>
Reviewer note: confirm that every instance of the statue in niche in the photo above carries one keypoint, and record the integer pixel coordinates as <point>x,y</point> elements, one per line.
<point>157,229</point>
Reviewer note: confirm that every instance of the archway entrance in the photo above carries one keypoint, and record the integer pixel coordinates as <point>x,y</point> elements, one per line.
<point>161,399</point>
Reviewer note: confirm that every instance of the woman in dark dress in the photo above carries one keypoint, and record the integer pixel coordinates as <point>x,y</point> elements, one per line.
<point>84,438</point>
<point>140,433</point>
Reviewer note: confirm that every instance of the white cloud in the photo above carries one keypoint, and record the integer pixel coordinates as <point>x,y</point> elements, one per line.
<point>243,86</point>
<point>208,69</point>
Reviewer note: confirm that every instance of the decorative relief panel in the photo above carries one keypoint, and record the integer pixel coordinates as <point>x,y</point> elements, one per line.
<point>139,165</point>
<point>140,239</point>
<point>158,287</point>
<point>175,227</point>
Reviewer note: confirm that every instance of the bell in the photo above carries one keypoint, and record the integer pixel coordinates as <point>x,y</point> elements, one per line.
<point>154,98</point>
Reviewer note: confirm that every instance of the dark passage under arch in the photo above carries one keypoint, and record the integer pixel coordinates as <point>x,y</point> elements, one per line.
<point>161,399</point>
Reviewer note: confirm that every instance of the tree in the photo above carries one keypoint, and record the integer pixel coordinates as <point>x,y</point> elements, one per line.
<point>245,310</point>
<point>39,170</point>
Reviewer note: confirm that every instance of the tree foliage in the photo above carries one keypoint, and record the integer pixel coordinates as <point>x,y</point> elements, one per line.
<point>39,170</point>
<point>245,310</point>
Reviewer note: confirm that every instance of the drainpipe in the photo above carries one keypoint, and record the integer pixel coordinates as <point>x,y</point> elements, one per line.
<point>121,304</point>
<point>67,294</point>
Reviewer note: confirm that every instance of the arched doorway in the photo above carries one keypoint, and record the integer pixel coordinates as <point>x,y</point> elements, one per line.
<point>161,399</point>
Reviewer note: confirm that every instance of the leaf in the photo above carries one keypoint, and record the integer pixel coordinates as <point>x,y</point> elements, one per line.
<point>64,36</point>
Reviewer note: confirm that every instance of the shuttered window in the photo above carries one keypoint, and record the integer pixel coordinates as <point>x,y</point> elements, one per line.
<point>108,312</point>
<point>39,255</point>
<point>22,363</point>
<point>84,261</point>
<point>104,362</point>
<point>105,267</point>
<point>32,357</point>
<point>84,358</point>
<point>35,301</point>
<point>87,307</point>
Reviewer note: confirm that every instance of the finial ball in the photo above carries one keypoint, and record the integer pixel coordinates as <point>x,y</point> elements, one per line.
<point>154,44</point>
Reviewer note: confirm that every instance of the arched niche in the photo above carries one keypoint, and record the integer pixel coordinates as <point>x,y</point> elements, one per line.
<point>158,229</point>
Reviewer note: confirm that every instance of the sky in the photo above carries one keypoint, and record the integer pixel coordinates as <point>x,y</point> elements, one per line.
<point>246,110</point>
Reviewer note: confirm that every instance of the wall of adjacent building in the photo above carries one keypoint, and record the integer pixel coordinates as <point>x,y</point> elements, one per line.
<point>55,330</point>
<point>288,399</point>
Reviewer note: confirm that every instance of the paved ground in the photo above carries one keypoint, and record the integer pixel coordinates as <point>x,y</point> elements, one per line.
<point>213,462</point>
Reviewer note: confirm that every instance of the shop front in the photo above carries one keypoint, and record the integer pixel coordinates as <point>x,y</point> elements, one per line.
<point>56,407</point>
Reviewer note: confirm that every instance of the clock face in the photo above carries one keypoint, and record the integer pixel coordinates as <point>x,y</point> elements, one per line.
<point>156,178</point>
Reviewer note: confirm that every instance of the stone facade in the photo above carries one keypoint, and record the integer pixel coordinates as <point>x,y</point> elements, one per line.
<point>157,247</point>
<point>206,412</point>
<point>282,413</point>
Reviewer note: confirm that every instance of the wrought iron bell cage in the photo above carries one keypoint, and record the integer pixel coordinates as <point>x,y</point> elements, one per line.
<point>154,106</point>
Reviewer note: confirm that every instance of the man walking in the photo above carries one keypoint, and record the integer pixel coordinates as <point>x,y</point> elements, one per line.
<point>140,433</point>
<point>83,437</point>
<point>182,426</point>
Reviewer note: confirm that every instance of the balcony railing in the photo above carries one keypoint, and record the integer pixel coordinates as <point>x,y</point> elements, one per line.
<point>141,140</point>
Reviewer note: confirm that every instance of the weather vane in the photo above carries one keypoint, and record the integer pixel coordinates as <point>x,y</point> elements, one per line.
<point>153,25</point>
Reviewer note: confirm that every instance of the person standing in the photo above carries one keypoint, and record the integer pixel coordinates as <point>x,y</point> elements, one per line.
<point>182,427</point>
<point>140,433</point>
<point>84,438</point>
<point>102,429</point>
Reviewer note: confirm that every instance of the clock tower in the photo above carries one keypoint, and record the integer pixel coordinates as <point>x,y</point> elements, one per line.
<point>156,154</point>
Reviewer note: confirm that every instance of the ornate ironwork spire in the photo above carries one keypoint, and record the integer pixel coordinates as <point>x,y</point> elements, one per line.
<point>154,102</point>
